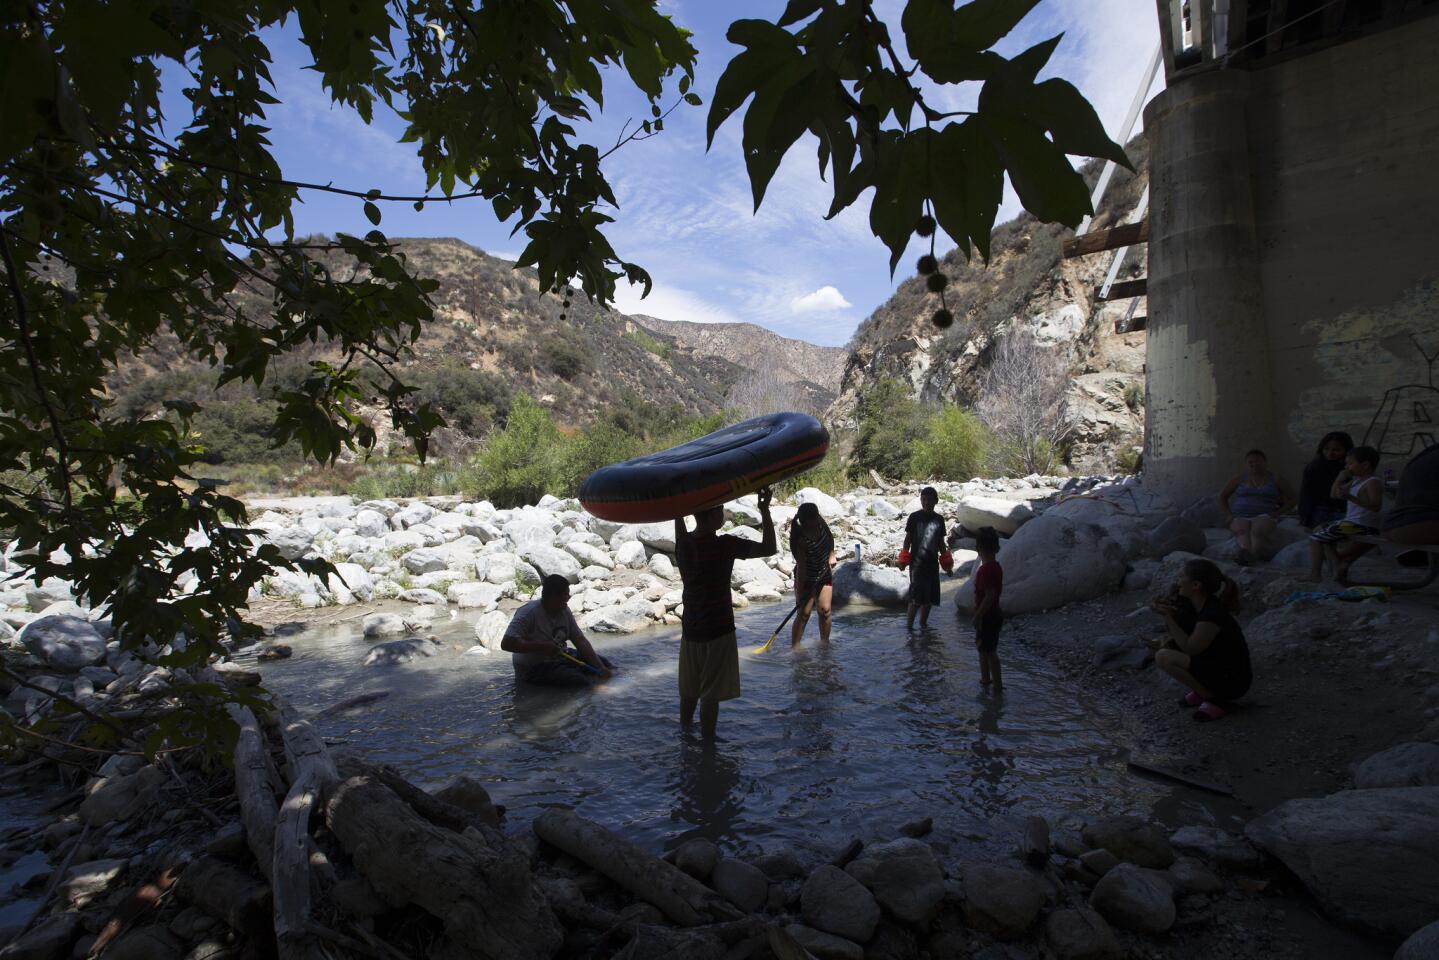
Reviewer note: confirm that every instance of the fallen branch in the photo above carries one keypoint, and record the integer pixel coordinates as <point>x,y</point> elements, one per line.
<point>679,896</point>
<point>312,774</point>
<point>254,779</point>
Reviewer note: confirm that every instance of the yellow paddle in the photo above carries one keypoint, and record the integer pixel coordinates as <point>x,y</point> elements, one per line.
<point>819,585</point>
<point>580,663</point>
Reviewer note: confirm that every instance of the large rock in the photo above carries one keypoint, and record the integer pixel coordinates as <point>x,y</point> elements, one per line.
<point>1368,856</point>
<point>1003,901</point>
<point>631,554</point>
<point>1405,765</point>
<point>551,561</point>
<point>1216,846</point>
<point>1079,934</point>
<point>490,629</point>
<point>630,616</point>
<point>743,885</point>
<point>531,528</point>
<point>1175,533</point>
<point>426,560</point>
<point>1134,898</point>
<point>1130,839</point>
<point>825,946</point>
<point>370,523</point>
<point>1119,651</point>
<point>474,595</point>
<point>833,901</point>
<point>384,624</point>
<point>292,542</point>
<point>904,876</point>
<point>50,939</point>
<point>120,798</point>
<point>1005,516</point>
<point>394,652</point>
<point>829,508</point>
<point>697,857</point>
<point>1423,944</point>
<point>589,555</point>
<point>1052,561</point>
<point>64,642</point>
<point>755,570</point>
<point>867,583</point>
<point>411,515</point>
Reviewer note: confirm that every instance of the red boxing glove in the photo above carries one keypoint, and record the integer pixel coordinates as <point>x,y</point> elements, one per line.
<point>903,559</point>
<point>946,560</point>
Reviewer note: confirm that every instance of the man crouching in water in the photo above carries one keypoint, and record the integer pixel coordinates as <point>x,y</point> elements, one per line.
<point>539,636</point>
<point>709,652</point>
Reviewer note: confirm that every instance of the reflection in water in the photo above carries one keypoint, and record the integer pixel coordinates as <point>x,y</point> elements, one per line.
<point>855,737</point>
<point>706,792</point>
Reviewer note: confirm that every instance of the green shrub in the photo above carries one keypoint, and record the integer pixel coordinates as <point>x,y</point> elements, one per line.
<point>1129,459</point>
<point>383,480</point>
<point>831,476</point>
<point>1134,396</point>
<point>661,350</point>
<point>521,462</point>
<point>564,358</point>
<point>890,421</point>
<point>954,446</point>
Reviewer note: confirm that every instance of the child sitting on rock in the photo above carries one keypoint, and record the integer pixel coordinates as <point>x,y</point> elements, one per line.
<point>1363,492</point>
<point>988,584</point>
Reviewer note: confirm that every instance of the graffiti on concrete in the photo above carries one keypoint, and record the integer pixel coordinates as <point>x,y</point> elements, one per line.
<point>1407,420</point>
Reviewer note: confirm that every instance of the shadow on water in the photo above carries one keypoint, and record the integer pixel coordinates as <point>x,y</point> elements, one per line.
<point>828,741</point>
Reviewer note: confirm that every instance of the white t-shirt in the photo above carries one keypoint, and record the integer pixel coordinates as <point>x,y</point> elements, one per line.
<point>1354,513</point>
<point>534,624</point>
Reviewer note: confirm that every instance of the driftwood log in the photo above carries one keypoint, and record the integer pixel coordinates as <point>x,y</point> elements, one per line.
<point>312,774</point>
<point>679,896</point>
<point>477,883</point>
<point>255,783</point>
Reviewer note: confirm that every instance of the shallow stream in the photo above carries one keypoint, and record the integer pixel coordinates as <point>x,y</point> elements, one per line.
<point>877,729</point>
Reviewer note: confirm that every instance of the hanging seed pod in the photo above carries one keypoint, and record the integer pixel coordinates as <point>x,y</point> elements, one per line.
<point>942,318</point>
<point>927,264</point>
<point>936,282</point>
<point>925,227</point>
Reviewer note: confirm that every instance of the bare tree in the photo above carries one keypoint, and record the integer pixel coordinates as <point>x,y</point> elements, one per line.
<point>767,387</point>
<point>1022,400</point>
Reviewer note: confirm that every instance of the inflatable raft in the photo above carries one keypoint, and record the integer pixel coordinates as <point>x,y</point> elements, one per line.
<point>706,472</point>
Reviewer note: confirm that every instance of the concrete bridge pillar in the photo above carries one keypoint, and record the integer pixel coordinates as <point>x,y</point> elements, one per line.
<point>1208,395</point>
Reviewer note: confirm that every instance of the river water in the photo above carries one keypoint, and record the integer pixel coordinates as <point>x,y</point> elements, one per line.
<point>879,728</point>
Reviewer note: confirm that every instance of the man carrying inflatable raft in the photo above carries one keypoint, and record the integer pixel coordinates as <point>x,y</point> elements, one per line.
<point>698,478</point>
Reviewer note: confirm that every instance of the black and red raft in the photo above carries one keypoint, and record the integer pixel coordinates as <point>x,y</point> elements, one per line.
<point>707,471</point>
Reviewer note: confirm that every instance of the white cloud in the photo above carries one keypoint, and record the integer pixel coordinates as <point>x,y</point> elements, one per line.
<point>671,303</point>
<point>826,299</point>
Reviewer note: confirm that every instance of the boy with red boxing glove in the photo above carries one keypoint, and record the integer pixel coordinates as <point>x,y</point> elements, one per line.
<point>924,542</point>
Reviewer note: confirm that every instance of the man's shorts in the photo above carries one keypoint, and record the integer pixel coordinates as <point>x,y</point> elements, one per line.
<point>986,633</point>
<point>1340,530</point>
<point>709,669</point>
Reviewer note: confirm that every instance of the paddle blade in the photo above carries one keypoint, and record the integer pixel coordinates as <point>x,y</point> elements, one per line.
<point>768,643</point>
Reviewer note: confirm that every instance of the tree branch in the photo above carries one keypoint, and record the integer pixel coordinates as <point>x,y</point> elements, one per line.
<point>22,321</point>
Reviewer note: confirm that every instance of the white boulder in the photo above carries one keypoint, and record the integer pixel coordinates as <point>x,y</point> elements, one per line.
<point>64,642</point>
<point>829,507</point>
<point>1005,516</point>
<point>870,584</point>
<point>1051,561</point>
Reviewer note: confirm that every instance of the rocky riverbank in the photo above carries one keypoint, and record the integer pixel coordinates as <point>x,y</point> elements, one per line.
<point>1331,766</point>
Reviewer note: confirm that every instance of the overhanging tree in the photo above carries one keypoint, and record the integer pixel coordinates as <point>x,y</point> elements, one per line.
<point>121,234</point>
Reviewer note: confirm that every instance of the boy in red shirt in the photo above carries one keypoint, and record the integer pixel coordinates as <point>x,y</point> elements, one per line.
<point>988,584</point>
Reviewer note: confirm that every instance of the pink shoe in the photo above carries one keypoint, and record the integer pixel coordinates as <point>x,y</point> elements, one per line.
<point>1191,700</point>
<point>1209,711</point>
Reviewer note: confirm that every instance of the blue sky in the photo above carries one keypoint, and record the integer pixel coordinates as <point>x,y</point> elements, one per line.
<point>686,214</point>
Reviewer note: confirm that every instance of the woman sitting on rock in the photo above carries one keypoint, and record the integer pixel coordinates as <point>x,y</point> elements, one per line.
<point>1316,506</point>
<point>1253,501</point>
<point>1205,649</point>
<point>812,545</point>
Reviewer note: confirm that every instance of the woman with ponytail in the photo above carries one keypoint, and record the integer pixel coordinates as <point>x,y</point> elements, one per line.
<point>812,545</point>
<point>1205,649</point>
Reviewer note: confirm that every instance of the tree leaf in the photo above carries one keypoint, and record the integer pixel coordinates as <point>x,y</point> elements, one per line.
<point>372,213</point>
